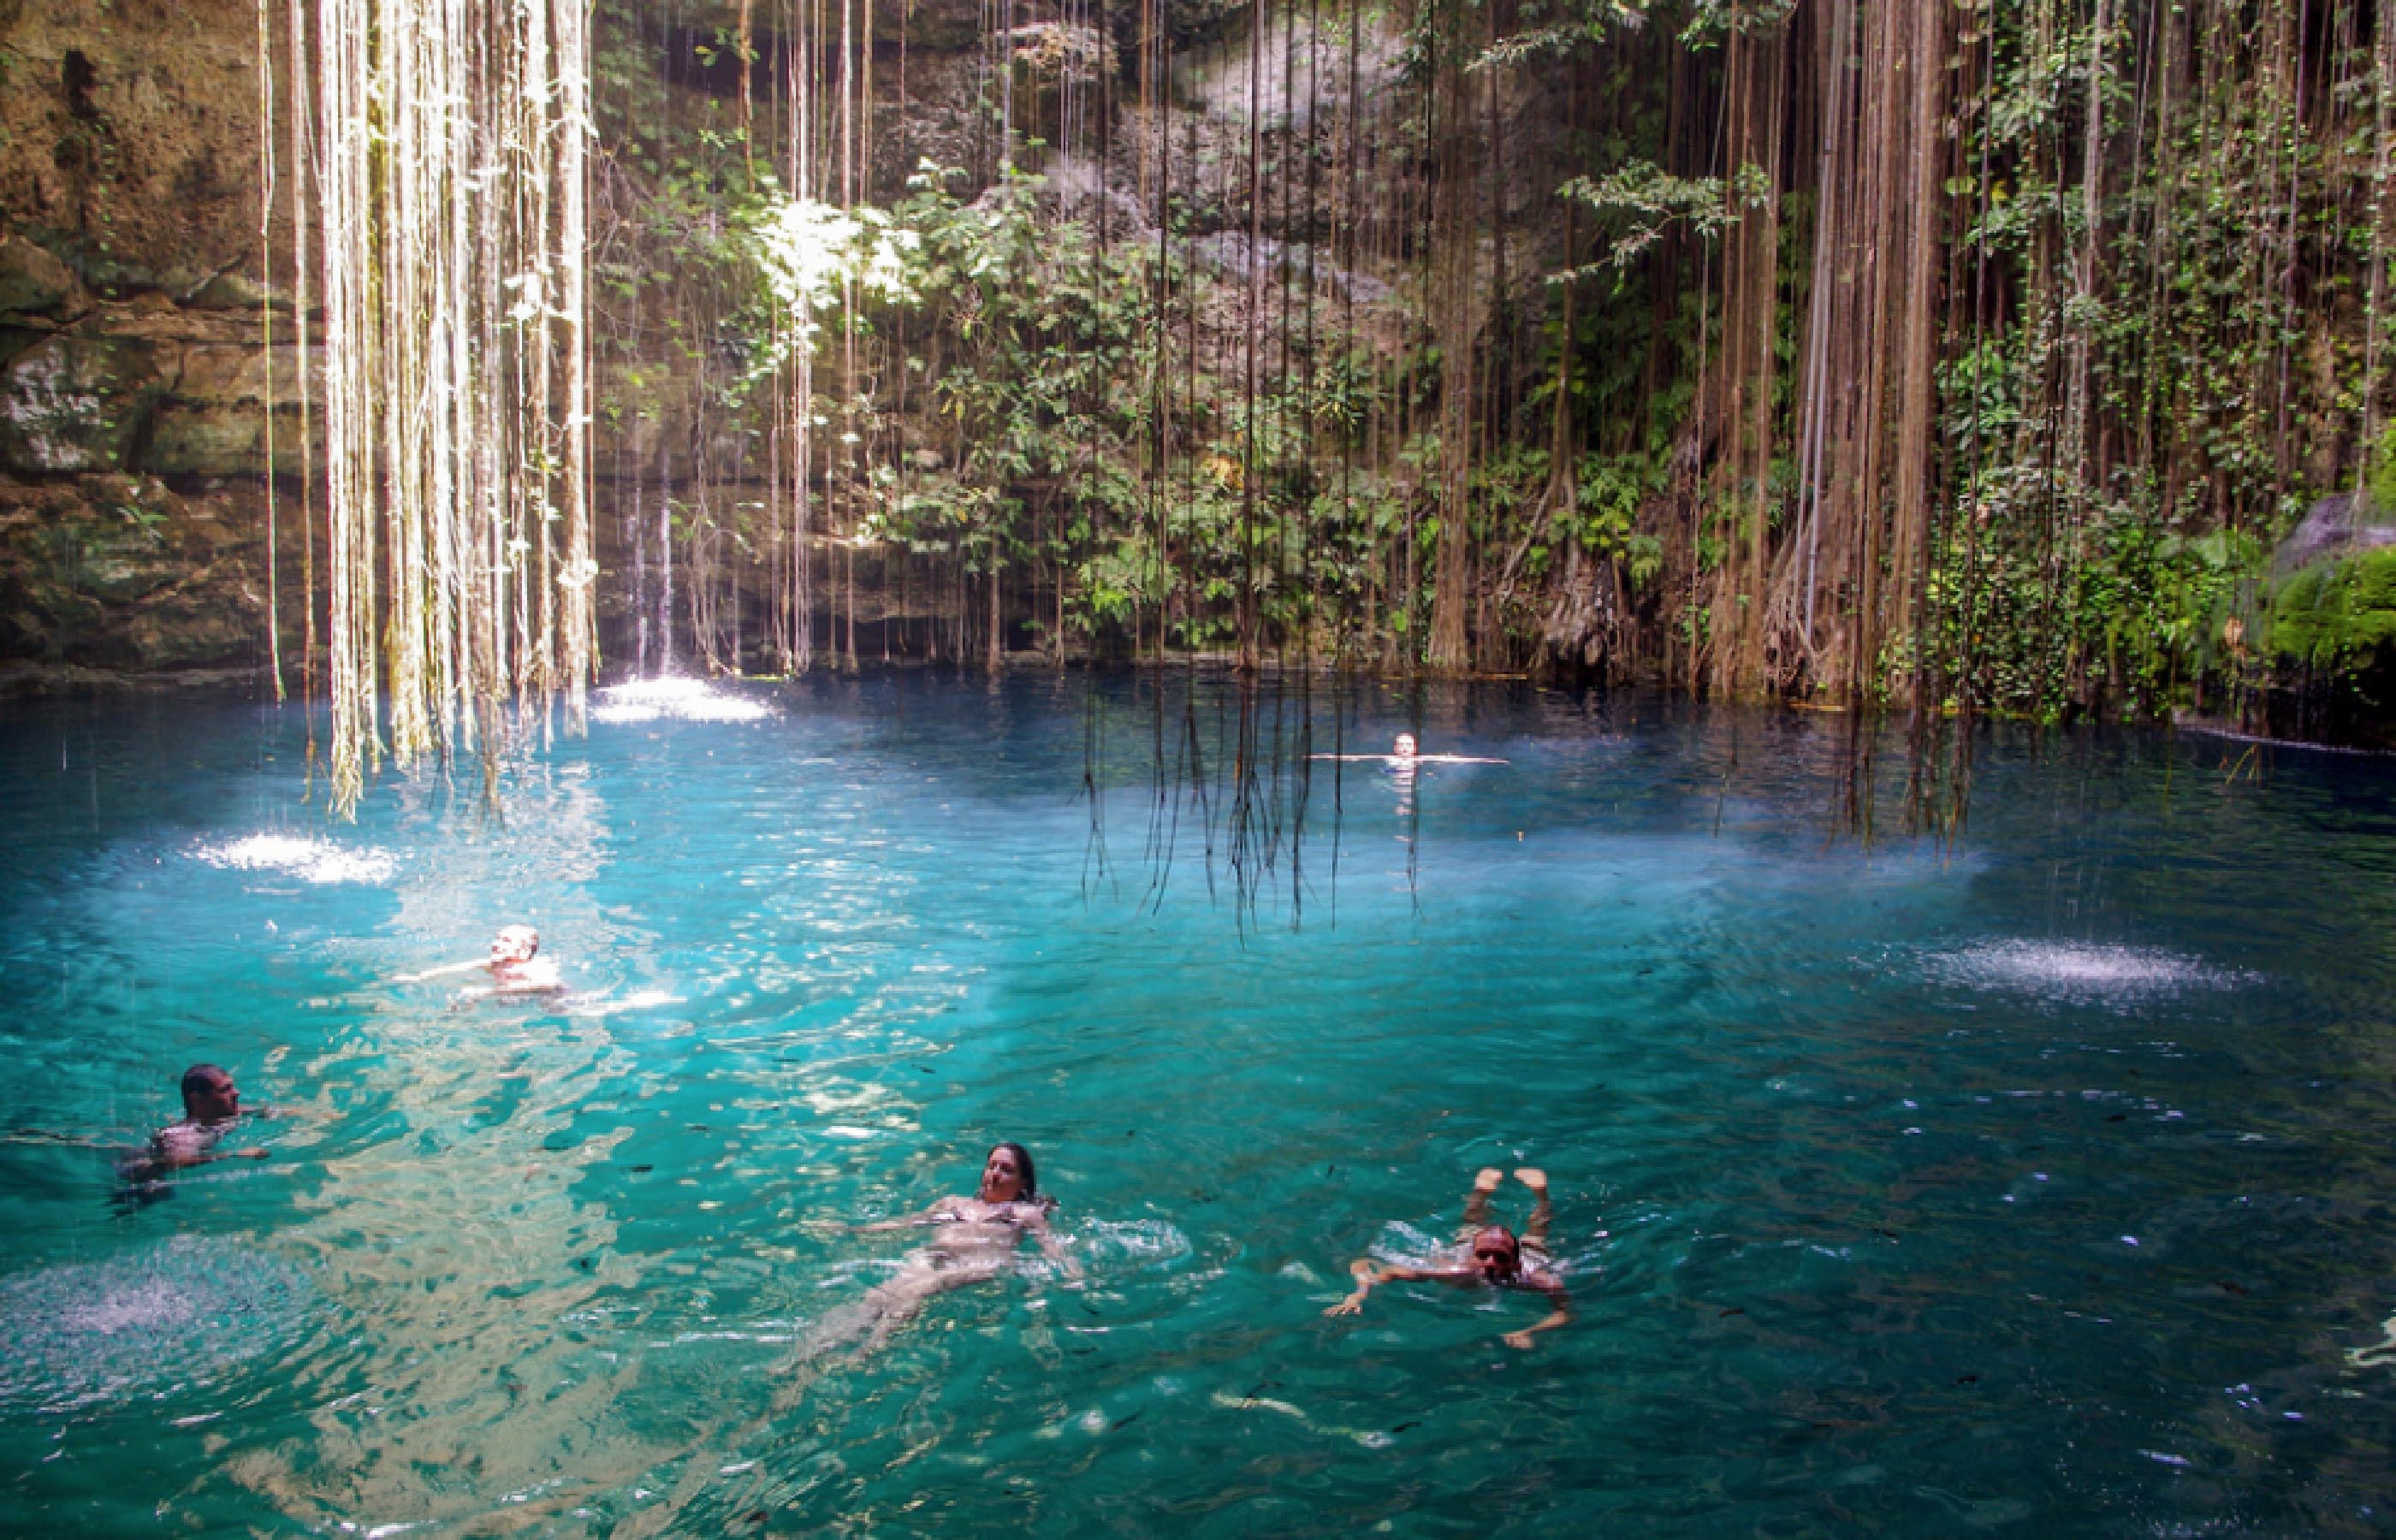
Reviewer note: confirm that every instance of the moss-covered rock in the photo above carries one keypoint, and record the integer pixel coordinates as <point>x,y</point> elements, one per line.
<point>2335,615</point>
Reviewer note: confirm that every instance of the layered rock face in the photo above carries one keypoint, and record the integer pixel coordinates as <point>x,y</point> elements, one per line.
<point>133,372</point>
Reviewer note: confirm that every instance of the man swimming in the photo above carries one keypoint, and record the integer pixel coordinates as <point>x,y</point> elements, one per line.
<point>1405,754</point>
<point>514,967</point>
<point>1495,1258</point>
<point>211,1108</point>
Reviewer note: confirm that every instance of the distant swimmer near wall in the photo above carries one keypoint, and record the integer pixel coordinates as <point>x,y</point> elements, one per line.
<point>1405,755</point>
<point>1495,1259</point>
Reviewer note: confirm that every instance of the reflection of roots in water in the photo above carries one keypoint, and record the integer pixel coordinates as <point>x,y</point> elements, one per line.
<point>309,861</point>
<point>2066,969</point>
<point>1251,803</point>
<point>89,1332</point>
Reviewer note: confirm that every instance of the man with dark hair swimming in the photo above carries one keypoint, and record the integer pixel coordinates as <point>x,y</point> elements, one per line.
<point>211,1108</point>
<point>1495,1260</point>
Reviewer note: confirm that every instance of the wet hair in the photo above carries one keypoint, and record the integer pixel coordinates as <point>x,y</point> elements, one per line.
<point>1499,1232</point>
<point>1031,1193</point>
<point>524,931</point>
<point>199,1079</point>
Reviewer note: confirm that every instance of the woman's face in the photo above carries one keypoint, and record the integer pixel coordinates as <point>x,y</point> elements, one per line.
<point>1001,1177</point>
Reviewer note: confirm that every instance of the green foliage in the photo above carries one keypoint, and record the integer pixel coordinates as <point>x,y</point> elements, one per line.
<point>2333,616</point>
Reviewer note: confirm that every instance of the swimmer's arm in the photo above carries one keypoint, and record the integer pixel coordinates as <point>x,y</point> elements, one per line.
<point>1368,1273</point>
<point>1560,1313</point>
<point>430,974</point>
<point>1052,1247</point>
<point>906,1221</point>
<point>162,1158</point>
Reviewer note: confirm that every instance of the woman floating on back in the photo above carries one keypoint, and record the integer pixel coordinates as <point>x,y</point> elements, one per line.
<point>973,1241</point>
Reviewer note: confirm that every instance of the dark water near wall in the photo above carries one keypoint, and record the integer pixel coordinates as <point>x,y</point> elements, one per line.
<point>2037,1183</point>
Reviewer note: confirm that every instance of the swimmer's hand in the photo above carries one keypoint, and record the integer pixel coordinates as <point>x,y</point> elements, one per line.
<point>1366,1275</point>
<point>253,1153</point>
<point>1518,1339</point>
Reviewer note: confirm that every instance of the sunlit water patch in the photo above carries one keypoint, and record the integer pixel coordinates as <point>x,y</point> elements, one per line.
<point>675,699</point>
<point>310,860</point>
<point>168,1319</point>
<point>2080,970</point>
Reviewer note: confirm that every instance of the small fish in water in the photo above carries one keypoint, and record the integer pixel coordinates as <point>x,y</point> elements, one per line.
<point>2118,1117</point>
<point>1125,1422</point>
<point>1967,1379</point>
<point>2231,1288</point>
<point>1736,1309</point>
<point>1404,1426</point>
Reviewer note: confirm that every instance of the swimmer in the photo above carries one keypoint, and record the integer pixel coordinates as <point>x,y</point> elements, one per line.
<point>1405,754</point>
<point>1495,1259</point>
<point>973,1242</point>
<point>514,967</point>
<point>211,1108</point>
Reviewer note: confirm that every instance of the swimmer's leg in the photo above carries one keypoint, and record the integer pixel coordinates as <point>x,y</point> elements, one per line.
<point>1543,1212</point>
<point>1476,1202</point>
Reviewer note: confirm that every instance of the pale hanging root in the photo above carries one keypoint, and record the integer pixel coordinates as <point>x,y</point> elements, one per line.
<point>2378,1353</point>
<point>452,220</point>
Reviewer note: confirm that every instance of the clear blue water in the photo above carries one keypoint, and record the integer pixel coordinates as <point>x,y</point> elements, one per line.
<point>2037,1183</point>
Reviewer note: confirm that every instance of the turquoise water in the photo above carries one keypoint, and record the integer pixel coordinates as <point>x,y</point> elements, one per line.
<point>2040,1182</point>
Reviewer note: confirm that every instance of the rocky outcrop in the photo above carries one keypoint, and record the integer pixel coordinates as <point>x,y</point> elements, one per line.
<point>125,573</point>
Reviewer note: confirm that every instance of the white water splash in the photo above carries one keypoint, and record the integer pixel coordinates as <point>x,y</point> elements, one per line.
<point>134,1326</point>
<point>679,699</point>
<point>309,861</point>
<point>2054,967</point>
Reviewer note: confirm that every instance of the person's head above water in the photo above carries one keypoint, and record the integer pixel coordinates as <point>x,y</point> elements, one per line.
<point>514,944</point>
<point>1405,748</point>
<point>1497,1255</point>
<point>209,1095</point>
<point>1008,1176</point>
